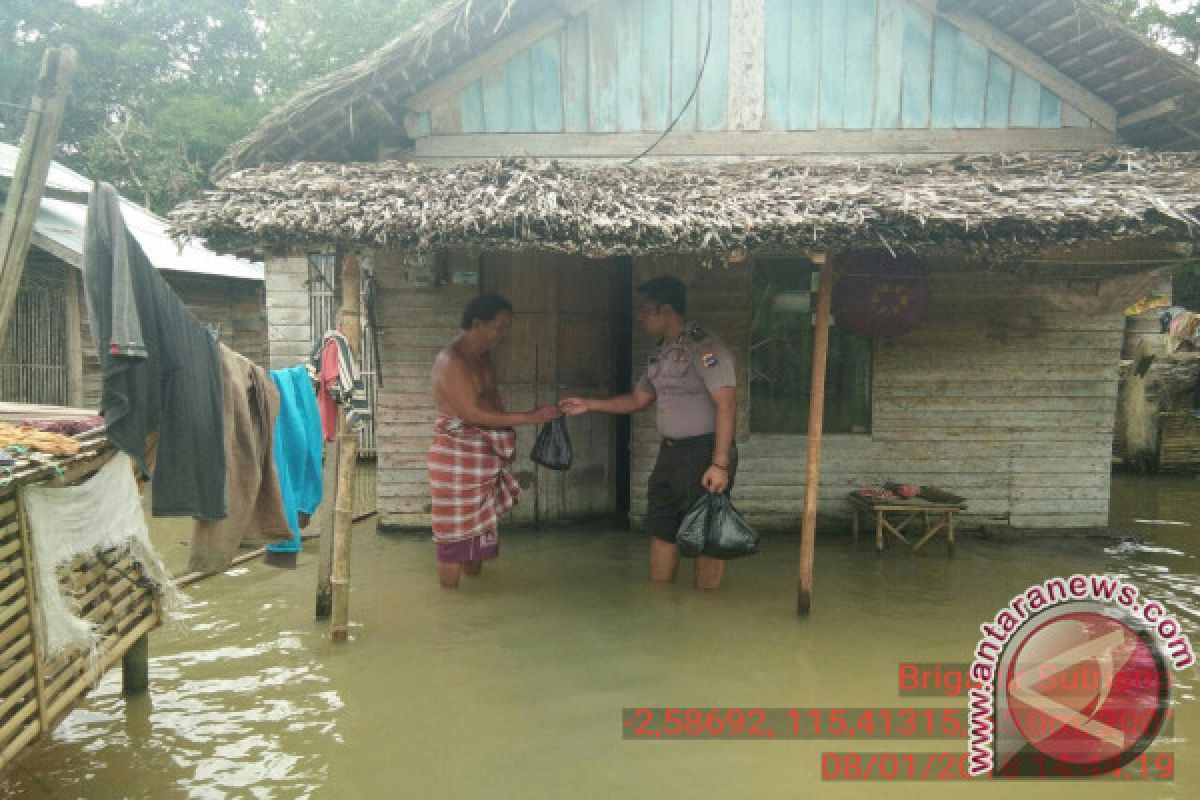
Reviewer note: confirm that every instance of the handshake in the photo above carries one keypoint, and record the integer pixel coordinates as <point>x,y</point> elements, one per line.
<point>571,407</point>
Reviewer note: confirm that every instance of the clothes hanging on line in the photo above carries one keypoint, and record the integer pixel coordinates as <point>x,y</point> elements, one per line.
<point>333,368</point>
<point>160,368</point>
<point>297,451</point>
<point>250,404</point>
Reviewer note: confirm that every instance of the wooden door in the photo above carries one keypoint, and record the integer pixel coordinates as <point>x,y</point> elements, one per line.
<point>561,345</point>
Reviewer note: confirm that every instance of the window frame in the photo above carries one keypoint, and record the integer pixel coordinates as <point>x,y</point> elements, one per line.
<point>872,353</point>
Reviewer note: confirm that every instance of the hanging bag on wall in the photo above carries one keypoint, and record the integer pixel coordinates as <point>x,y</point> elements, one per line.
<point>552,449</point>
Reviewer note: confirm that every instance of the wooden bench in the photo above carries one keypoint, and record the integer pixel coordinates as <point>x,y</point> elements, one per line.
<point>937,516</point>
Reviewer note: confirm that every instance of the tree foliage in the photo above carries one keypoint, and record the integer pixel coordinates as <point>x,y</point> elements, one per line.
<point>165,86</point>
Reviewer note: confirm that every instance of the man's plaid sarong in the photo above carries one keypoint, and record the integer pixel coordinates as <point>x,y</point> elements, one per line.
<point>469,480</point>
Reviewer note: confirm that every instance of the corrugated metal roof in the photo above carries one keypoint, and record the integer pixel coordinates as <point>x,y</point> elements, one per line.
<point>59,228</point>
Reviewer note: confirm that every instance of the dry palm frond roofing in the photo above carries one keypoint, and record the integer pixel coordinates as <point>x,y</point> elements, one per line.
<point>996,202</point>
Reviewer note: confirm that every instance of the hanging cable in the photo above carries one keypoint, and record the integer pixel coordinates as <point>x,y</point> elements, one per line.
<point>695,88</point>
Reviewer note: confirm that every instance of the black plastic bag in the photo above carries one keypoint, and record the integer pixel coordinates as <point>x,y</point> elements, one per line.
<point>712,527</point>
<point>553,446</point>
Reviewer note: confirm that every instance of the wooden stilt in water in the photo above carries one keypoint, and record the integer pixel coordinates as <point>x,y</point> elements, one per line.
<point>343,522</point>
<point>324,523</point>
<point>135,667</point>
<point>29,176</point>
<point>816,420</point>
<point>347,461</point>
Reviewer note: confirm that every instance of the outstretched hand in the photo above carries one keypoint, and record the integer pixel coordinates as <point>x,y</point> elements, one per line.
<point>542,415</point>
<point>574,406</point>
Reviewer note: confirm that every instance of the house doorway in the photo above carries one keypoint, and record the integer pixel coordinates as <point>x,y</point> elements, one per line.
<point>571,336</point>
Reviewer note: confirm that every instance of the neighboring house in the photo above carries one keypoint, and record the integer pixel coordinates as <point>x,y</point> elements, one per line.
<point>47,355</point>
<point>489,148</point>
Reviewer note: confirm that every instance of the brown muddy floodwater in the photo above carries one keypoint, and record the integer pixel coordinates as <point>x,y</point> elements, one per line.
<point>512,687</point>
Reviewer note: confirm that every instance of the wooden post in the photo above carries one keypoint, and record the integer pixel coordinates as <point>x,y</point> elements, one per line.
<point>343,522</point>
<point>29,176</point>
<point>135,667</point>
<point>816,420</point>
<point>324,523</point>
<point>347,469</point>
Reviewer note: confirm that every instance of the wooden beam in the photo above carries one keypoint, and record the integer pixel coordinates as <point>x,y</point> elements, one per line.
<point>74,339</point>
<point>350,324</point>
<point>29,175</point>
<point>816,424</point>
<point>1021,56</point>
<point>740,144</point>
<point>1146,114</point>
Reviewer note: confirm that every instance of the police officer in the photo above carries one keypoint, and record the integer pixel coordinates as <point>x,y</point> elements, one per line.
<point>690,375</point>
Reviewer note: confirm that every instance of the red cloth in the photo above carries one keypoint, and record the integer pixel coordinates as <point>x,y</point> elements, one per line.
<point>469,481</point>
<point>328,377</point>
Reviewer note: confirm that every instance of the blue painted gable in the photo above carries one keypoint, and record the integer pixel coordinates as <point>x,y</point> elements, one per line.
<point>636,65</point>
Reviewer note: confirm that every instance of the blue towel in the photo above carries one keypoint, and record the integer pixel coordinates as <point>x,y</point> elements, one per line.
<point>297,450</point>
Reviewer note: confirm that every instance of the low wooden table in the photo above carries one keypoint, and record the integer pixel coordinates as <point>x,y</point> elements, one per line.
<point>936,516</point>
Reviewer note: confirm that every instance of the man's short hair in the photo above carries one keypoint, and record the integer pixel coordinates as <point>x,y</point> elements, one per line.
<point>665,290</point>
<point>484,308</point>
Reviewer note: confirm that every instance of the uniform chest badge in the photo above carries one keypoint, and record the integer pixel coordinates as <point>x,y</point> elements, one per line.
<point>709,359</point>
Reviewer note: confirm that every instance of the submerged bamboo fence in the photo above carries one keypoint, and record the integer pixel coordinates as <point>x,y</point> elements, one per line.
<point>107,590</point>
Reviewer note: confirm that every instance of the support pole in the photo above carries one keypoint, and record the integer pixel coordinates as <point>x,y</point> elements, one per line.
<point>816,419</point>
<point>324,527</point>
<point>29,176</point>
<point>135,667</point>
<point>343,522</point>
<point>347,469</point>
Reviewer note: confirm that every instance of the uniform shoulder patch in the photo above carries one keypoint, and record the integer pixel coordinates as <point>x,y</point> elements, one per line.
<point>709,358</point>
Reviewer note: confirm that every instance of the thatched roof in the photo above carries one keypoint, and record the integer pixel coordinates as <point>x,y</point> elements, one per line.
<point>995,202</point>
<point>341,116</point>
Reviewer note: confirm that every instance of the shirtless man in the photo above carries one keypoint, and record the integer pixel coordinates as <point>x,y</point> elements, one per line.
<point>474,442</point>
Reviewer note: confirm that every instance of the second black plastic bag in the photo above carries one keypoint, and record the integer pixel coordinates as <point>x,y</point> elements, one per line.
<point>712,527</point>
<point>552,449</point>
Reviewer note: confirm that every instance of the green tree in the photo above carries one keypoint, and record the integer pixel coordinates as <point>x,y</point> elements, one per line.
<point>1179,30</point>
<point>165,86</point>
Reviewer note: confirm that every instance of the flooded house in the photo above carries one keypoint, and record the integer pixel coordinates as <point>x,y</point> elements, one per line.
<point>990,183</point>
<point>47,356</point>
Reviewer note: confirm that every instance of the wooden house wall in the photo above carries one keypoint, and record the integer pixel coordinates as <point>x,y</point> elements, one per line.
<point>630,66</point>
<point>414,325</point>
<point>1005,401</point>
<point>997,397</point>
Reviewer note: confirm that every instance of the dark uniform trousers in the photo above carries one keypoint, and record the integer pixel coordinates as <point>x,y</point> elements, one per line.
<point>675,481</point>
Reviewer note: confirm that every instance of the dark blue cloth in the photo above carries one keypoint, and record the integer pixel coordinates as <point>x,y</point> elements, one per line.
<point>160,368</point>
<point>297,450</point>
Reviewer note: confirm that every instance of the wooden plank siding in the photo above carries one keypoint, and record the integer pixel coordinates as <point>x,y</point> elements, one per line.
<point>630,66</point>
<point>996,398</point>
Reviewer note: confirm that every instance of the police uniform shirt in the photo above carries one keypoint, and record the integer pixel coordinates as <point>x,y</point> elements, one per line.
<point>682,375</point>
